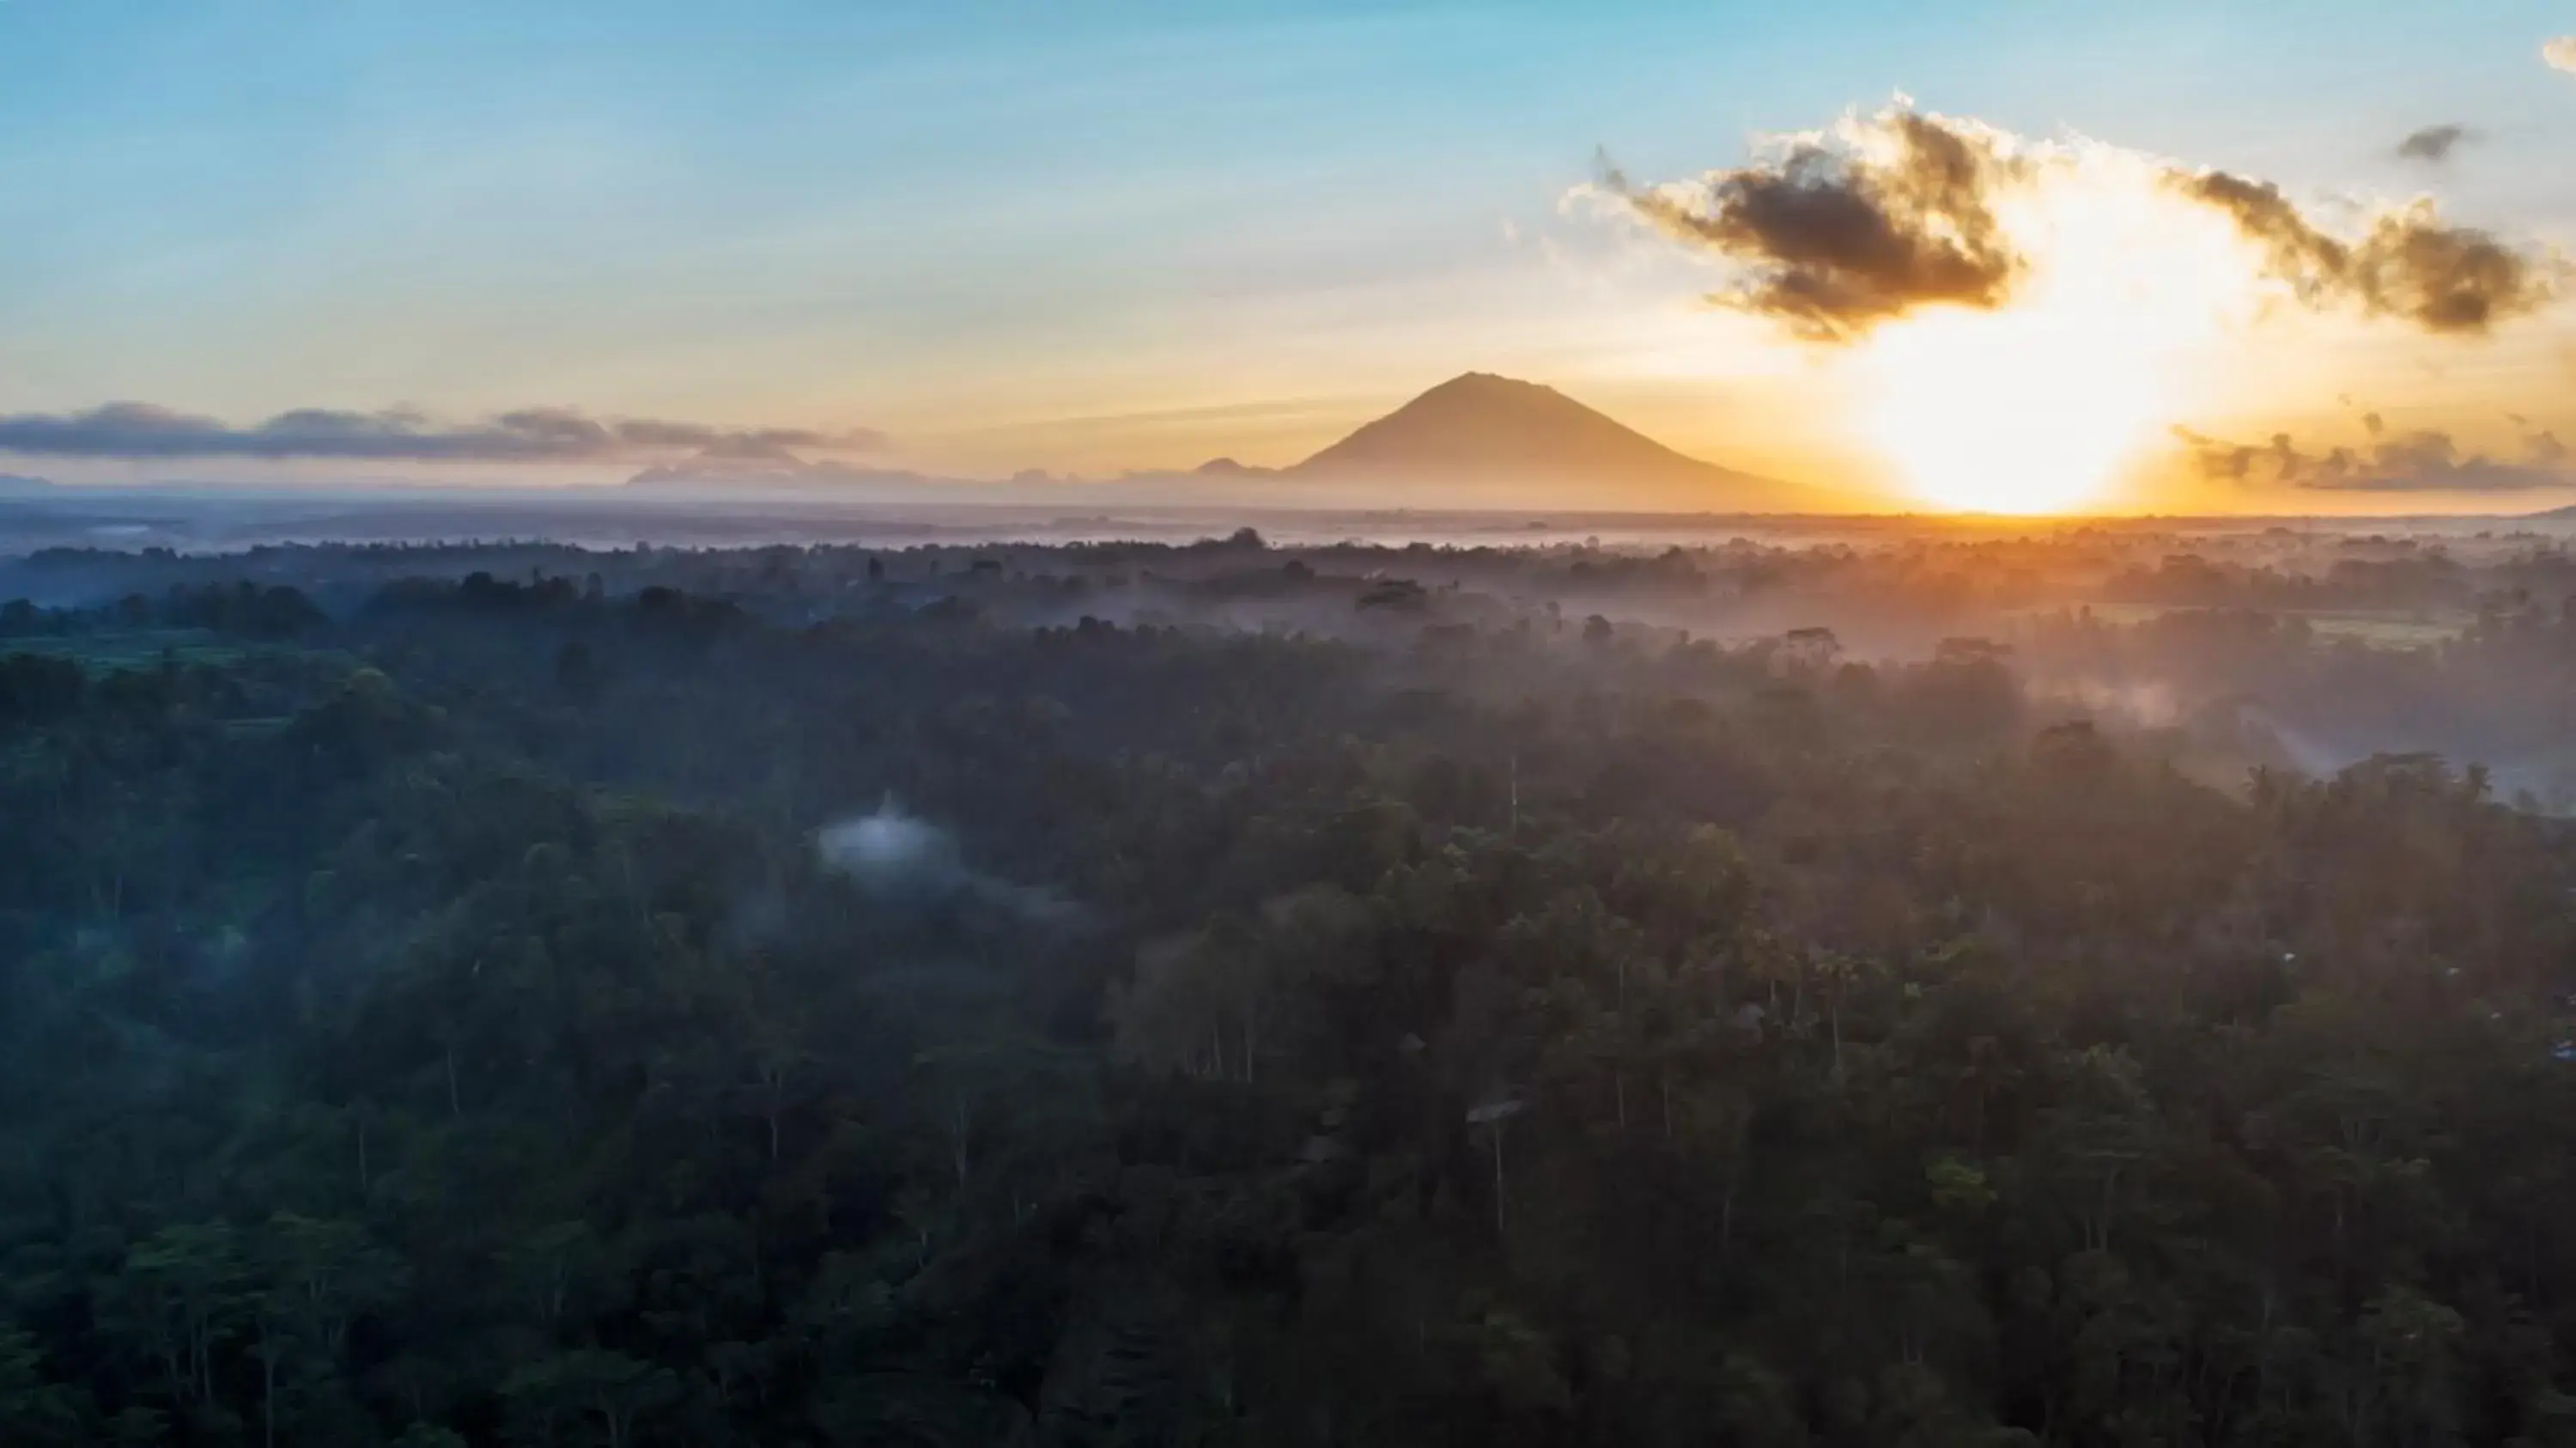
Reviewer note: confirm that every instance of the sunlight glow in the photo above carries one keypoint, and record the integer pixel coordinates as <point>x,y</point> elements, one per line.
<point>2012,412</point>
<point>2041,406</point>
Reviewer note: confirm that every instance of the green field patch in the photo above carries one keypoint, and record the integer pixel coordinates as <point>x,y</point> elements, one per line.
<point>2378,629</point>
<point>130,652</point>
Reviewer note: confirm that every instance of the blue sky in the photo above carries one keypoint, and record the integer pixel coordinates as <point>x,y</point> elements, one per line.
<point>1071,235</point>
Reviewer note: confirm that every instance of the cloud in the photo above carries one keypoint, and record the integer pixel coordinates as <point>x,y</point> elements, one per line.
<point>2561,53</point>
<point>1850,228</point>
<point>139,430</point>
<point>2408,264</point>
<point>1838,232</point>
<point>2415,462</point>
<point>2433,145</point>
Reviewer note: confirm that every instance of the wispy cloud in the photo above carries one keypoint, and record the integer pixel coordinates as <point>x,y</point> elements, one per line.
<point>2561,53</point>
<point>139,430</point>
<point>2407,264</point>
<point>2414,462</point>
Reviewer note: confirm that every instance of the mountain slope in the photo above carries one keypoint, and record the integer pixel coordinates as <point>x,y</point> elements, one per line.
<point>1479,429</point>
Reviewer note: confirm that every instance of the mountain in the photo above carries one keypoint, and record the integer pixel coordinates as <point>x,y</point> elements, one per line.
<point>17,483</point>
<point>1491,434</point>
<point>1229,468</point>
<point>786,475</point>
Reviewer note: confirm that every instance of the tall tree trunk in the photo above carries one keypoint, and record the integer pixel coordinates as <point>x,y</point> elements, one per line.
<point>267,1385</point>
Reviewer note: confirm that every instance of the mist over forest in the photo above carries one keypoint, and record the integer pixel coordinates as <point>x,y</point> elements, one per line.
<point>1098,980</point>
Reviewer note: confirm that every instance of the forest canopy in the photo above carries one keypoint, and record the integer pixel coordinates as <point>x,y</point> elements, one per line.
<point>1945,993</point>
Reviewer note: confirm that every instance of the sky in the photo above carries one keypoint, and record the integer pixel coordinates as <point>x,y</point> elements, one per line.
<point>975,238</point>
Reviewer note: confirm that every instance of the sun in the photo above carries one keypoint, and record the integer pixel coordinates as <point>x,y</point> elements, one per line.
<point>2025,411</point>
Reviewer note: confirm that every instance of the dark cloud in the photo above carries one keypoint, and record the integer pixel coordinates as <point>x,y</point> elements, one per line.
<point>1885,215</point>
<point>2415,462</point>
<point>1838,238</point>
<point>2434,144</point>
<point>138,430</point>
<point>2408,265</point>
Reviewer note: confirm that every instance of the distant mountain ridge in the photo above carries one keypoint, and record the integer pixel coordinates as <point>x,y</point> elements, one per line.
<point>1475,441</point>
<point>1478,428</point>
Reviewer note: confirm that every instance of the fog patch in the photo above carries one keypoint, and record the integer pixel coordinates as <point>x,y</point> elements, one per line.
<point>899,857</point>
